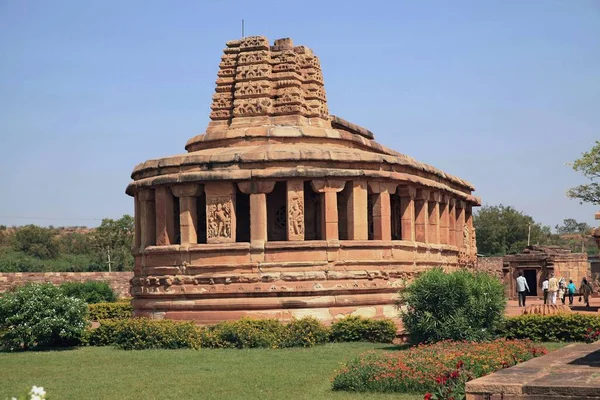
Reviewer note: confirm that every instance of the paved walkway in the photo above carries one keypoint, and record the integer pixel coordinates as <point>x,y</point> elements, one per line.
<point>572,373</point>
<point>512,308</point>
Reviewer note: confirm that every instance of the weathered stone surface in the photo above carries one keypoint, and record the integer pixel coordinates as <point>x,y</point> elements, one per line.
<point>281,210</point>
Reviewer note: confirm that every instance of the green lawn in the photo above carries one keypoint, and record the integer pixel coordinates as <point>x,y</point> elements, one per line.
<point>107,373</point>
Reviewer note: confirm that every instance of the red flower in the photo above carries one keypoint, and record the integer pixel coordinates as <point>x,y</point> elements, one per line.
<point>454,374</point>
<point>459,364</point>
<point>427,396</point>
<point>441,380</point>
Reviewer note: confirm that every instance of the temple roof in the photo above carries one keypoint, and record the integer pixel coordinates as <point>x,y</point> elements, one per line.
<point>270,105</point>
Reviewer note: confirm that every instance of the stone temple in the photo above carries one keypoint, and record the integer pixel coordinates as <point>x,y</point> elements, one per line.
<point>283,210</point>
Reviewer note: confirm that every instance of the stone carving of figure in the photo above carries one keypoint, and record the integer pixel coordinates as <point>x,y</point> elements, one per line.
<point>222,221</point>
<point>467,241</point>
<point>296,217</point>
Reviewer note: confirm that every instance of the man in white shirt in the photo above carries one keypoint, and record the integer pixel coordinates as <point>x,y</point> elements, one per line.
<point>521,287</point>
<point>545,289</point>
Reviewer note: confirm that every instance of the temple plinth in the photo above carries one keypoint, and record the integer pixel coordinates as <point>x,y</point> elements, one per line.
<point>282,210</point>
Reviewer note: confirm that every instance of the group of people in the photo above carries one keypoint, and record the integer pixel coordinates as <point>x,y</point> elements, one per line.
<point>556,288</point>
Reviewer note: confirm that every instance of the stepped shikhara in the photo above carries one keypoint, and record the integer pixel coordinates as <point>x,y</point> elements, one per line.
<point>283,210</point>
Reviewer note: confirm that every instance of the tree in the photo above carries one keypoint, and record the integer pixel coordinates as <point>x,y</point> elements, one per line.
<point>36,241</point>
<point>502,230</point>
<point>570,225</point>
<point>589,165</point>
<point>113,239</point>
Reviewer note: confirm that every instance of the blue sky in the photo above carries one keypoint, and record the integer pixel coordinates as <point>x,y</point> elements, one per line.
<point>500,93</point>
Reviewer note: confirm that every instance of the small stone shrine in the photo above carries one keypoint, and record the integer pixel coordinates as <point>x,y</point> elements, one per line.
<point>282,210</point>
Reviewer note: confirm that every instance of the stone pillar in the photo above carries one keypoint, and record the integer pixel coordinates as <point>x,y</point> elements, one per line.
<point>452,222</point>
<point>137,222</point>
<point>295,209</point>
<point>165,222</point>
<point>434,218</point>
<point>258,210</point>
<point>188,213</point>
<point>329,212</point>
<point>444,220</point>
<point>147,218</point>
<point>382,213</point>
<point>460,224</point>
<point>422,216</point>
<point>407,212</point>
<point>471,245</point>
<point>358,225</point>
<point>220,212</point>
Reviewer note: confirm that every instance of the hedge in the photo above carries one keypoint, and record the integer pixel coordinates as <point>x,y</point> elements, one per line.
<point>565,327</point>
<point>119,310</point>
<point>359,329</point>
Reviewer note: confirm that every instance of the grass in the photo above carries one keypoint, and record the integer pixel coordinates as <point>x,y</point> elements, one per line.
<point>108,373</point>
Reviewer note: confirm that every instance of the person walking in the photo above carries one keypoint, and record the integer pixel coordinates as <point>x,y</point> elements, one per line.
<point>562,290</point>
<point>585,290</point>
<point>552,288</point>
<point>545,289</point>
<point>571,288</point>
<point>521,287</point>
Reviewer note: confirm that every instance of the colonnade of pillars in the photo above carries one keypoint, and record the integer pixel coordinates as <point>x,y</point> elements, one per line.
<point>174,214</point>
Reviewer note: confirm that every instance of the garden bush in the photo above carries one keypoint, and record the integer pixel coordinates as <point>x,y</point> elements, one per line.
<point>452,306</point>
<point>144,333</point>
<point>41,316</point>
<point>118,310</point>
<point>305,332</point>
<point>103,335</point>
<point>423,367</point>
<point>90,291</point>
<point>359,329</point>
<point>245,333</point>
<point>565,327</point>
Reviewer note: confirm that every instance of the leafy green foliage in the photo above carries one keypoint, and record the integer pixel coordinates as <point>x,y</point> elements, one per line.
<point>424,367</point>
<point>503,230</point>
<point>91,291</point>
<point>245,333</point>
<point>103,335</point>
<point>359,329</point>
<point>40,316</point>
<point>566,327</point>
<point>144,333</point>
<point>457,306</point>
<point>113,239</point>
<point>103,311</point>
<point>305,332</point>
<point>36,241</point>
<point>589,165</point>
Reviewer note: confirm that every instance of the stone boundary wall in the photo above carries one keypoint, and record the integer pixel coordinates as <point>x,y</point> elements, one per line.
<point>119,281</point>
<point>491,265</point>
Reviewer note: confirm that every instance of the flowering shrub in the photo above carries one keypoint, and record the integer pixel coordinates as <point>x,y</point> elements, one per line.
<point>40,316</point>
<point>359,329</point>
<point>422,367</point>
<point>35,393</point>
<point>592,335</point>
<point>458,306</point>
<point>566,327</point>
<point>119,310</point>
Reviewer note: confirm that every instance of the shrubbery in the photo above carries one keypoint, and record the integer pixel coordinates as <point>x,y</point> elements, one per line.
<point>359,329</point>
<point>118,310</point>
<point>40,316</point>
<point>245,333</point>
<point>90,291</point>
<point>455,306</point>
<point>423,367</point>
<point>566,327</point>
<point>144,333</point>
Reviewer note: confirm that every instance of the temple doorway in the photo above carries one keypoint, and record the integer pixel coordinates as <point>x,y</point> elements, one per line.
<point>530,276</point>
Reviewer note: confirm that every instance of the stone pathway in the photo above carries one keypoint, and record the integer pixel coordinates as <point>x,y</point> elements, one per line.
<point>512,308</point>
<point>570,373</point>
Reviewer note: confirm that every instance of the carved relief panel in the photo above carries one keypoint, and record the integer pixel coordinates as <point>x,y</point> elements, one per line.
<point>295,210</point>
<point>220,213</point>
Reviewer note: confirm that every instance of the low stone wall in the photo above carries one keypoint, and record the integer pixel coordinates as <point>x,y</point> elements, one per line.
<point>119,281</point>
<point>490,265</point>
